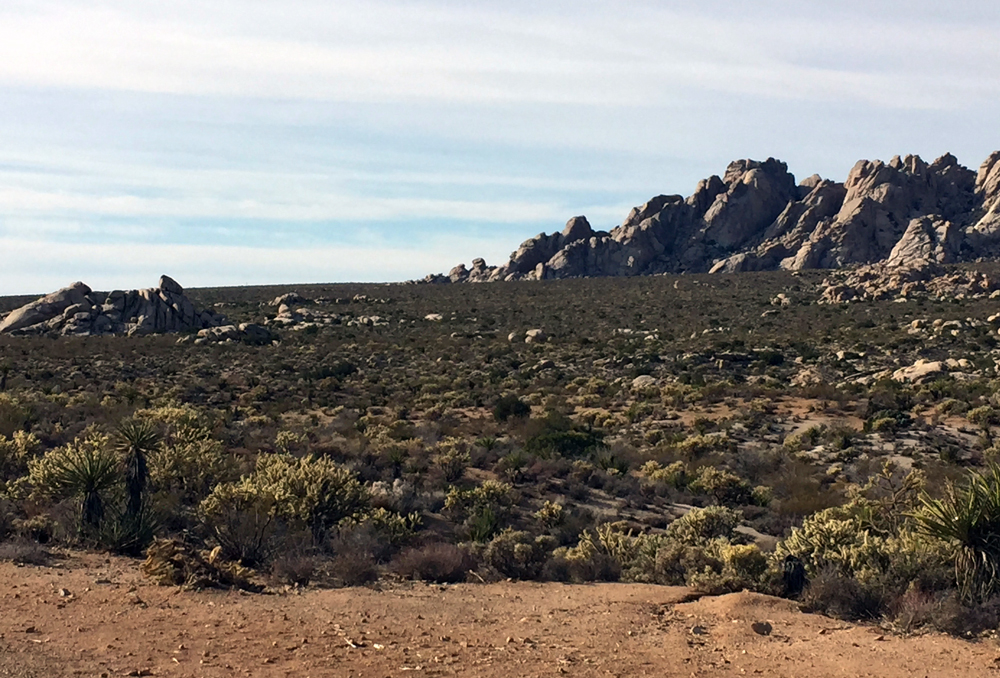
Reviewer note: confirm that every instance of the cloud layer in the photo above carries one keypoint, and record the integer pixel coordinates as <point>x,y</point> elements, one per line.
<point>379,127</point>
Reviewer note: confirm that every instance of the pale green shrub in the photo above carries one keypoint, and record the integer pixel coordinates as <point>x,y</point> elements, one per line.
<point>672,474</point>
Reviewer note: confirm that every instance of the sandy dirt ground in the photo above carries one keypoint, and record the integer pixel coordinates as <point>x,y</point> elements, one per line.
<point>92,616</point>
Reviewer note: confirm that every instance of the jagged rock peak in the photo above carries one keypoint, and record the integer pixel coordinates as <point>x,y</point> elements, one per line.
<point>755,217</point>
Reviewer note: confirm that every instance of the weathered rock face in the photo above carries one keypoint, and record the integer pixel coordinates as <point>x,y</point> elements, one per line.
<point>77,310</point>
<point>48,307</point>
<point>905,212</point>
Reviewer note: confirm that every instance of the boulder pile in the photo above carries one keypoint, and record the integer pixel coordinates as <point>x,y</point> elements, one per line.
<point>79,311</point>
<point>881,281</point>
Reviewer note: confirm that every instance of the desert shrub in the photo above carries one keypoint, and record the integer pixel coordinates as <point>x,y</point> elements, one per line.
<point>484,509</point>
<point>726,488</point>
<point>701,525</point>
<point>864,555</point>
<point>517,554</point>
<point>241,517</point>
<point>596,566</point>
<point>399,496</point>
<point>510,407</point>
<point>511,466</point>
<point>845,597</point>
<point>729,568</point>
<point>952,406</point>
<point>289,442</point>
<point>15,453</point>
<point>437,562</point>
<point>563,443</point>
<point>697,446</point>
<point>24,551</point>
<point>984,417</point>
<point>294,567</point>
<point>674,474</point>
<point>41,528</point>
<point>387,526</point>
<point>551,515</point>
<point>188,464</point>
<point>356,553</point>
<point>313,492</point>
<point>806,438</point>
<point>13,415</point>
<point>305,493</point>
<point>452,457</point>
<point>701,549</point>
<point>887,421</point>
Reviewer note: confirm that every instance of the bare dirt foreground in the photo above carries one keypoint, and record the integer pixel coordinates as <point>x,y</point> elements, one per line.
<point>93,616</point>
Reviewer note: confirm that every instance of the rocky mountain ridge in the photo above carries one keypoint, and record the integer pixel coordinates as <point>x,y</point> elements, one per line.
<point>906,212</point>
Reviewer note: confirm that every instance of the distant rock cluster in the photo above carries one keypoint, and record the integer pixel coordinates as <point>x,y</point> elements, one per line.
<point>297,313</point>
<point>79,311</point>
<point>755,217</point>
<point>881,281</point>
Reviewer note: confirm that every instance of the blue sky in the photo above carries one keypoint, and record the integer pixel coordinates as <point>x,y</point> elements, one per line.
<point>250,141</point>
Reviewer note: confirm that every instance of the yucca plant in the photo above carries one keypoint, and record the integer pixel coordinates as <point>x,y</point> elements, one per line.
<point>86,468</point>
<point>136,438</point>
<point>968,517</point>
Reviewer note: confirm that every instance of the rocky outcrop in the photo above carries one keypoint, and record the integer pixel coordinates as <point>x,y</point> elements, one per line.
<point>902,280</point>
<point>244,333</point>
<point>905,212</point>
<point>78,310</point>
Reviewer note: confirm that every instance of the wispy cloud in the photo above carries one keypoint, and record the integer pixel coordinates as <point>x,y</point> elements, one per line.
<point>566,53</point>
<point>42,266</point>
<point>398,138</point>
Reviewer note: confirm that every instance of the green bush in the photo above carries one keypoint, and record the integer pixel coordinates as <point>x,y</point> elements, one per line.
<point>510,407</point>
<point>484,509</point>
<point>518,555</point>
<point>726,488</point>
<point>563,443</point>
<point>15,453</point>
<point>452,458</point>
<point>305,493</point>
<point>13,415</point>
<point>674,474</point>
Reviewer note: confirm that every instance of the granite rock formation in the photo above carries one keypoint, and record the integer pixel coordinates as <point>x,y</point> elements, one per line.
<point>79,311</point>
<point>906,212</point>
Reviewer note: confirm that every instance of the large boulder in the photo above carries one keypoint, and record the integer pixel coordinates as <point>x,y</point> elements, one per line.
<point>47,308</point>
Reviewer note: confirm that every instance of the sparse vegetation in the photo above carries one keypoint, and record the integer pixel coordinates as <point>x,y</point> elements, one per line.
<point>432,450</point>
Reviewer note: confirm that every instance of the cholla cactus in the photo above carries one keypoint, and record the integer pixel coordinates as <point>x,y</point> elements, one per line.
<point>550,515</point>
<point>673,474</point>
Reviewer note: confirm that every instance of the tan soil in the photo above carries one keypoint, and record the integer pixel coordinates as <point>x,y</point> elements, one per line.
<point>112,623</point>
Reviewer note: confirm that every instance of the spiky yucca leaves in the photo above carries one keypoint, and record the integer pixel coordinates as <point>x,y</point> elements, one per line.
<point>968,518</point>
<point>136,438</point>
<point>87,468</point>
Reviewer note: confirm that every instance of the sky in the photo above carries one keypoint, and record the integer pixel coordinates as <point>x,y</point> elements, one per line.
<point>237,142</point>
